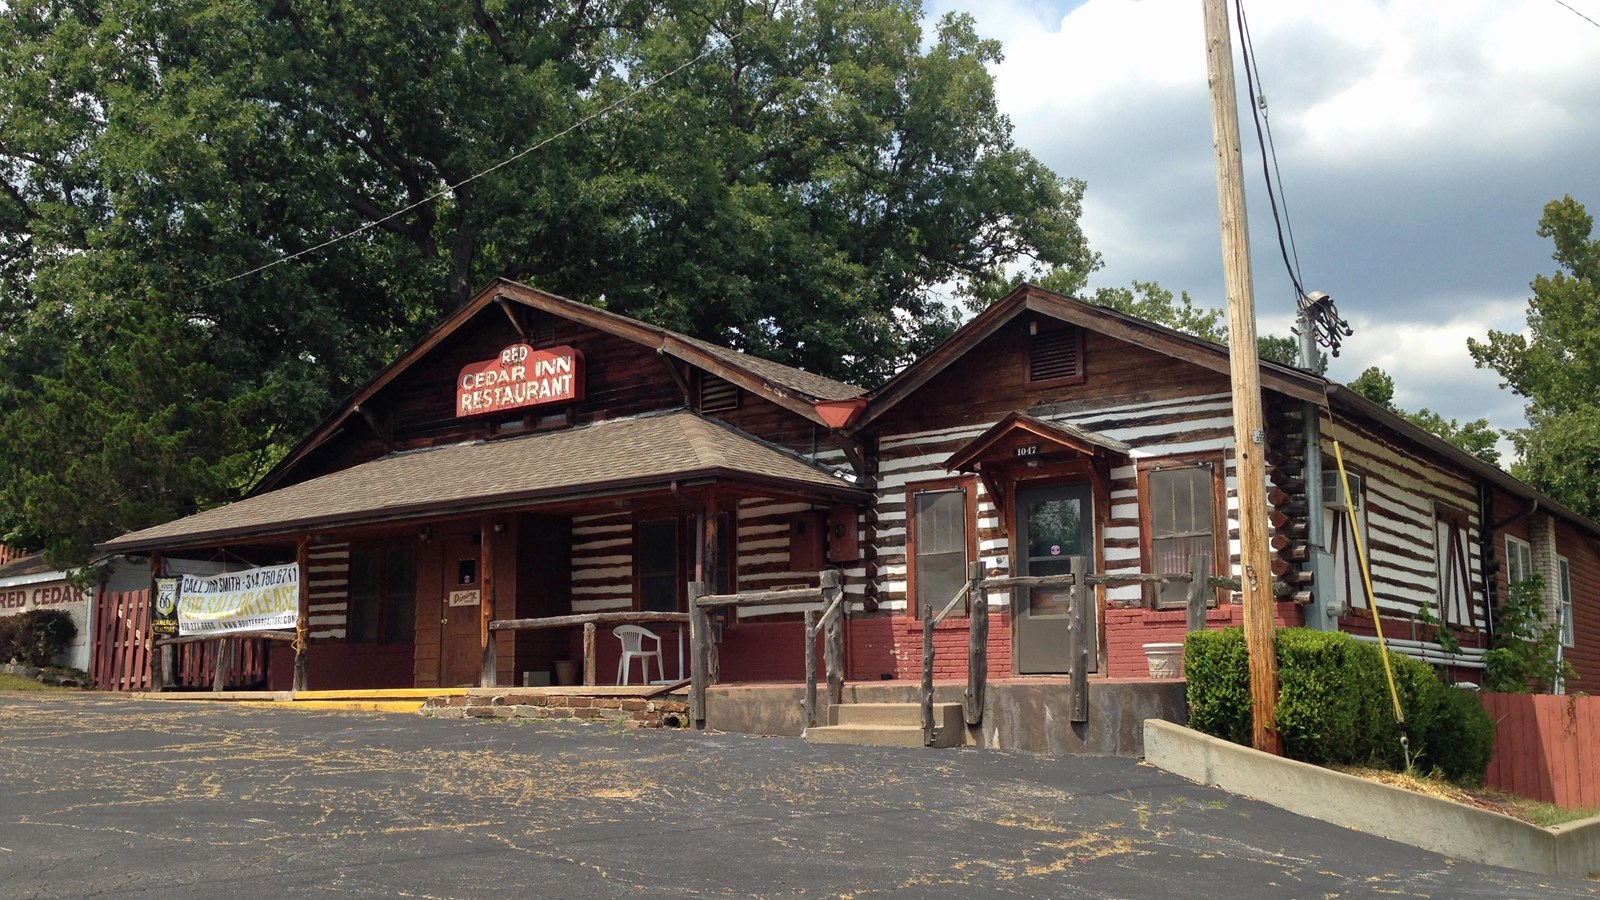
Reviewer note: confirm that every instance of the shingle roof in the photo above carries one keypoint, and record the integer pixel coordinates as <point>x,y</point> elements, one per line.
<point>808,384</point>
<point>608,457</point>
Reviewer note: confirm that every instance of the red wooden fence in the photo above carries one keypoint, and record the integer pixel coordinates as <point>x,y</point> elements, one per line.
<point>120,655</point>
<point>122,658</point>
<point>1546,747</point>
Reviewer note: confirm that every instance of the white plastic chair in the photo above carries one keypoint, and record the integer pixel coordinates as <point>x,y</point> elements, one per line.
<point>633,638</point>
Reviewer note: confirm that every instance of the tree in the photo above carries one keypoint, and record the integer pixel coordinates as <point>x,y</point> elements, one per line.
<point>1475,437</point>
<point>800,180</point>
<point>1556,365</point>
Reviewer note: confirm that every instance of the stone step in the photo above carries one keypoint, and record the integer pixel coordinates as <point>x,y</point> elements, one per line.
<point>880,735</point>
<point>945,715</point>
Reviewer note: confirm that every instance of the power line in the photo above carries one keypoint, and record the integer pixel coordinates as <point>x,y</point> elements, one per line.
<point>1252,77</point>
<point>1580,15</point>
<point>449,189</point>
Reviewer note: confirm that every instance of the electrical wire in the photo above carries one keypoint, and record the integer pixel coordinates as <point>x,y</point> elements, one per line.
<point>450,189</point>
<point>1580,15</point>
<point>1252,78</point>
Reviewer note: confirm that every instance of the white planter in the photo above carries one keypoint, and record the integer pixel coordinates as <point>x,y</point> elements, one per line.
<point>1164,660</point>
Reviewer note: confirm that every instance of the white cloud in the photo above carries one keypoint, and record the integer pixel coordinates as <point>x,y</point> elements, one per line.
<point>1418,143</point>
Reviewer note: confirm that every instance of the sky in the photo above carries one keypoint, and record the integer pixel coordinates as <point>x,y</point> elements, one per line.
<point>1418,142</point>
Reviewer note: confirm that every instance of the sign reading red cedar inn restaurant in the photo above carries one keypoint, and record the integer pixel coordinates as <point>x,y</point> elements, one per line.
<point>521,376</point>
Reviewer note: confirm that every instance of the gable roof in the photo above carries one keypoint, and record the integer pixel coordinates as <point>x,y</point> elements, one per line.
<point>796,390</point>
<point>1031,298</point>
<point>1059,434</point>
<point>608,458</point>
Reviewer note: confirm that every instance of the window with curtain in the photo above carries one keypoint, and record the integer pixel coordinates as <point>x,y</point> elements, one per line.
<point>942,546</point>
<point>1180,517</point>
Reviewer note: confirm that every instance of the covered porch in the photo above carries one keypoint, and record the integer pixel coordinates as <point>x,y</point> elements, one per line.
<point>406,560</point>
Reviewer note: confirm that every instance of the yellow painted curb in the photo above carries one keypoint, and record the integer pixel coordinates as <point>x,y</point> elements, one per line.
<point>383,706</point>
<point>381,694</point>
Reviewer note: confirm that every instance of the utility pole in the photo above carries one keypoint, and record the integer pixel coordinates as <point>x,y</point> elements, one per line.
<point>1249,435</point>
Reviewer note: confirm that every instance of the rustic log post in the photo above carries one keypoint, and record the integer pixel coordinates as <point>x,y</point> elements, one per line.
<point>977,646</point>
<point>219,667</point>
<point>162,677</point>
<point>1199,588</point>
<point>810,701</point>
<point>486,589</point>
<point>927,678</point>
<point>699,654</point>
<point>588,655</point>
<point>1079,641</point>
<point>302,628</point>
<point>833,650</point>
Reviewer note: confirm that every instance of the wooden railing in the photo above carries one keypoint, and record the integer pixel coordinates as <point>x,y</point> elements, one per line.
<point>590,622</point>
<point>221,656</point>
<point>827,598</point>
<point>1080,632</point>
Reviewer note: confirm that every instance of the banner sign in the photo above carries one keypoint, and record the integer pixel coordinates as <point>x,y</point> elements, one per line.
<point>520,376</point>
<point>165,618</point>
<point>252,600</point>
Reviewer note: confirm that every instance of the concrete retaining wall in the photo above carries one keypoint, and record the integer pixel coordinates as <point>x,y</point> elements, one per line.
<point>1458,831</point>
<point>1031,716</point>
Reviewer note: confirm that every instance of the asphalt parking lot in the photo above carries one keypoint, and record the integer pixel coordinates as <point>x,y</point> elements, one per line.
<point>110,797</point>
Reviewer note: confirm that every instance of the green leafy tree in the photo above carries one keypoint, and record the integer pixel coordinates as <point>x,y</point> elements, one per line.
<point>1556,365</point>
<point>1475,437</point>
<point>800,180</point>
<point>1526,655</point>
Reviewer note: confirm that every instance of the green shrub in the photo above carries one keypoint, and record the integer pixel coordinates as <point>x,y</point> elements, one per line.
<point>1218,673</point>
<point>8,637</point>
<point>36,637</point>
<point>1461,739</point>
<point>1334,704</point>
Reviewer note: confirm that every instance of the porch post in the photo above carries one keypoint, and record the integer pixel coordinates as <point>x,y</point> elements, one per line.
<point>699,654</point>
<point>162,674</point>
<point>302,627</point>
<point>486,580</point>
<point>1079,640</point>
<point>977,644</point>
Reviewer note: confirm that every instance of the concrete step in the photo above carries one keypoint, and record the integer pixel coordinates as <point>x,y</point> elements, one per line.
<point>880,735</point>
<point>945,715</point>
<point>889,725</point>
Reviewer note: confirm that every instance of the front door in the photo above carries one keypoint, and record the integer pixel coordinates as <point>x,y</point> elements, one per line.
<point>1053,525</point>
<point>460,648</point>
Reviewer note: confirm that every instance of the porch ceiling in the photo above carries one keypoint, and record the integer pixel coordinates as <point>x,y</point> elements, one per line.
<point>621,456</point>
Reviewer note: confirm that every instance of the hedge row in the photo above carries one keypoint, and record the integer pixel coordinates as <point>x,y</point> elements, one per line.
<point>36,637</point>
<point>1334,704</point>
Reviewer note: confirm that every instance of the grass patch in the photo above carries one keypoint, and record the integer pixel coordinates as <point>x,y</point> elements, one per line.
<point>18,683</point>
<point>1535,812</point>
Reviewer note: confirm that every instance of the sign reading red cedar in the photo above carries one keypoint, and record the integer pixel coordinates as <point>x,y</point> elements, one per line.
<point>520,376</point>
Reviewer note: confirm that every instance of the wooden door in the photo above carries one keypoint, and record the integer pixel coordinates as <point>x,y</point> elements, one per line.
<point>461,596</point>
<point>1053,525</point>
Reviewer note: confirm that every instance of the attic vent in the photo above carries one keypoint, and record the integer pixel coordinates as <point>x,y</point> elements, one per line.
<point>543,330</point>
<point>717,395</point>
<point>1055,355</point>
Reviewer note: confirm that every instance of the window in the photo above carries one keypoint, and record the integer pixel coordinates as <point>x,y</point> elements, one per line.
<point>1342,525</point>
<point>383,595</point>
<point>1055,354</point>
<point>941,539</point>
<point>1519,560</point>
<point>663,558</point>
<point>656,558</point>
<point>1454,580</point>
<point>1564,601</point>
<point>1179,502</point>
